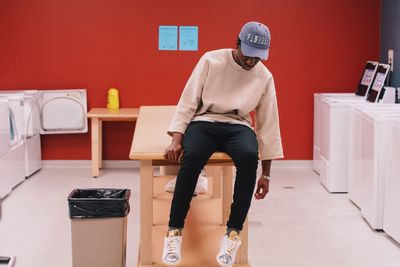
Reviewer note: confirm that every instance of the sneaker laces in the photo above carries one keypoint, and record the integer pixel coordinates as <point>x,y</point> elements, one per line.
<point>172,247</point>
<point>230,248</point>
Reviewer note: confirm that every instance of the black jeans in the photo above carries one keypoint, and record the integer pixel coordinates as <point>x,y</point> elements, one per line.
<point>200,141</point>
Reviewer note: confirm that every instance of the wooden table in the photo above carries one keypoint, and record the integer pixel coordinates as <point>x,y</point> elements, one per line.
<point>205,224</point>
<point>97,116</point>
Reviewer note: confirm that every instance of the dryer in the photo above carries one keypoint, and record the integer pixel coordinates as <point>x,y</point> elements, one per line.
<point>51,112</point>
<point>63,111</point>
<point>12,164</point>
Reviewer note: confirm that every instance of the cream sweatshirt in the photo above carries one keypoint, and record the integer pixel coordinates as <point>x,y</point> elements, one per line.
<point>220,90</point>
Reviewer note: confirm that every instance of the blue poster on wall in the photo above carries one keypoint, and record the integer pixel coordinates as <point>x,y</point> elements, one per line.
<point>168,38</point>
<point>188,38</point>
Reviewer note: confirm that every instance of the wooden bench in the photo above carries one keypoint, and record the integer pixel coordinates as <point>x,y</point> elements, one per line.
<point>97,116</point>
<point>205,224</point>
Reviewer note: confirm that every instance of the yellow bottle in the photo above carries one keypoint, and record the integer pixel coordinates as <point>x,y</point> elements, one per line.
<point>112,99</point>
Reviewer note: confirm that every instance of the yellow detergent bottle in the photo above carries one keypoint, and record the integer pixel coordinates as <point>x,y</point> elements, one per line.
<point>112,99</point>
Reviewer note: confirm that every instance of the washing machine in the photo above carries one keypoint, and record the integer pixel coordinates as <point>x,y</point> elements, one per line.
<point>375,126</point>
<point>391,213</point>
<point>334,143</point>
<point>354,166</point>
<point>361,91</point>
<point>51,112</point>
<point>334,137</point>
<point>63,111</point>
<point>318,97</point>
<point>12,164</point>
<point>33,153</point>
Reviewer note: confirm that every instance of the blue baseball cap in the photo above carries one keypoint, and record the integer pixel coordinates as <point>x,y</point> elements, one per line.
<point>255,40</point>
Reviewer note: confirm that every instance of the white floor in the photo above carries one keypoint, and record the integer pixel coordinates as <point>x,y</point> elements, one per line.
<point>299,224</point>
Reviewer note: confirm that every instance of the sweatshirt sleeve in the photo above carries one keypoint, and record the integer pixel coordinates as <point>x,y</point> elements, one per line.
<point>267,124</point>
<point>190,98</point>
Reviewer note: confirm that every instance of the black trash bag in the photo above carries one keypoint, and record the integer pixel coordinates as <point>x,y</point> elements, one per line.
<point>98,203</point>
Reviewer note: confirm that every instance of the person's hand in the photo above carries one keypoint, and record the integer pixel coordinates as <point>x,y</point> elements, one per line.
<point>174,151</point>
<point>262,188</point>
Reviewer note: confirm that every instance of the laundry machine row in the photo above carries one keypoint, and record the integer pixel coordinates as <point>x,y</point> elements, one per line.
<point>335,141</point>
<point>331,126</point>
<point>369,89</point>
<point>35,112</point>
<point>361,92</point>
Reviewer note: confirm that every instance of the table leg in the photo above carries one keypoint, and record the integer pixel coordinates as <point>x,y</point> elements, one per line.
<point>100,144</point>
<point>146,212</point>
<point>95,147</point>
<point>226,193</point>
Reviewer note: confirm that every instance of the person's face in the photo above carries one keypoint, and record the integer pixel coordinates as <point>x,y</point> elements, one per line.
<point>247,63</point>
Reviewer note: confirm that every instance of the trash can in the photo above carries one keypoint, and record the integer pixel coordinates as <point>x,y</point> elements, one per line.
<point>99,226</point>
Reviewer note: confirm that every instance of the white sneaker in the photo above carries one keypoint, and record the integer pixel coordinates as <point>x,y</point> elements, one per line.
<point>201,186</point>
<point>229,247</point>
<point>172,248</point>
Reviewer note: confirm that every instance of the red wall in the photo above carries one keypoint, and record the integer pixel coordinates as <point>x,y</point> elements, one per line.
<point>97,44</point>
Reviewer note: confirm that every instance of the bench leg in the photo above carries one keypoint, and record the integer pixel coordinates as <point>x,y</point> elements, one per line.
<point>146,212</point>
<point>216,173</point>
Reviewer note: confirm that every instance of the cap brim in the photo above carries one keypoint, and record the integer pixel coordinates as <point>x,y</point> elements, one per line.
<point>249,51</point>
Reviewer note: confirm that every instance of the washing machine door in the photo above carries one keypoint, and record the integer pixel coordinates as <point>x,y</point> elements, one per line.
<point>4,127</point>
<point>16,118</point>
<point>63,111</point>
<point>32,115</point>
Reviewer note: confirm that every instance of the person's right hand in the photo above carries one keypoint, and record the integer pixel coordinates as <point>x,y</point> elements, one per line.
<point>174,151</point>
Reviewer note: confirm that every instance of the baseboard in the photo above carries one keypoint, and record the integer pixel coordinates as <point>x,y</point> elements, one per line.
<point>135,164</point>
<point>292,164</point>
<point>88,164</point>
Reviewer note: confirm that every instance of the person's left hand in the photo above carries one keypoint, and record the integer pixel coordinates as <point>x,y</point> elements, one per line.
<point>262,188</point>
